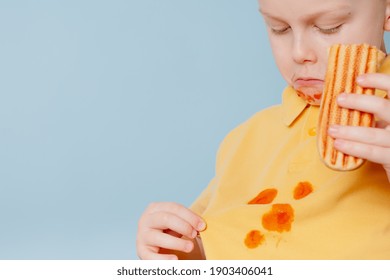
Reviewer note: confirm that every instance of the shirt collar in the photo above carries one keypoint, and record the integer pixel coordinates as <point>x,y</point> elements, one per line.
<point>293,105</point>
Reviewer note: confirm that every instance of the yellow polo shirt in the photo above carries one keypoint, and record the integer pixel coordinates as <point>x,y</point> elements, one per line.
<point>273,198</point>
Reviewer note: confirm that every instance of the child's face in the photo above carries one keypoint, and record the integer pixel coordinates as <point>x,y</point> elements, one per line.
<point>300,32</point>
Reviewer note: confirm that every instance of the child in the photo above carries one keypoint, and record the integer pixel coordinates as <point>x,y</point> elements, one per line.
<point>272,197</point>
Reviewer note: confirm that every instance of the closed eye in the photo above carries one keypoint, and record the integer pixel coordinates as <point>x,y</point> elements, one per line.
<point>279,31</point>
<point>330,30</point>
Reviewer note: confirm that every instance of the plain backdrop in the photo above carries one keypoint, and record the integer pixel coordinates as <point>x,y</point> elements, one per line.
<point>108,105</point>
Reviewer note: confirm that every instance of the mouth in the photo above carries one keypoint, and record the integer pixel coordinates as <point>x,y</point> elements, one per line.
<point>308,82</point>
<point>310,89</point>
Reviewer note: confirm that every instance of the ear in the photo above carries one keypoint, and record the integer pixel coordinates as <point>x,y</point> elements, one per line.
<point>386,25</point>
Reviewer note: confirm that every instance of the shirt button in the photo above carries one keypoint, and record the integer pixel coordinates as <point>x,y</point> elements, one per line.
<point>313,131</point>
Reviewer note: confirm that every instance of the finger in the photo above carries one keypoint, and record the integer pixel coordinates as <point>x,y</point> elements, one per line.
<point>369,152</point>
<point>152,253</point>
<point>375,80</point>
<point>166,220</point>
<point>156,238</point>
<point>179,210</point>
<point>155,256</point>
<point>382,124</point>
<point>147,252</point>
<point>173,233</point>
<point>376,105</point>
<point>367,135</point>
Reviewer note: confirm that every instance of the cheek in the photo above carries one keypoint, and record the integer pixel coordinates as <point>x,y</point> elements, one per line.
<point>375,21</point>
<point>374,38</point>
<point>283,60</point>
<point>357,37</point>
<point>352,34</point>
<point>322,60</point>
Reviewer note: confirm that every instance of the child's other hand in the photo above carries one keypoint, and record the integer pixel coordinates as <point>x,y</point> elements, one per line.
<point>161,228</point>
<point>372,144</point>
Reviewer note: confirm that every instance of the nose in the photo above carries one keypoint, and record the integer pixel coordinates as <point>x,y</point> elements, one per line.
<point>303,50</point>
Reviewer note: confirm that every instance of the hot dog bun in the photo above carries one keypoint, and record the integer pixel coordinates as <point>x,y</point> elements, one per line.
<point>345,63</point>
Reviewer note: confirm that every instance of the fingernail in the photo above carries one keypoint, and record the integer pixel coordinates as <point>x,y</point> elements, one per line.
<point>201,226</point>
<point>338,144</point>
<point>342,97</point>
<point>360,79</point>
<point>333,129</point>
<point>189,247</point>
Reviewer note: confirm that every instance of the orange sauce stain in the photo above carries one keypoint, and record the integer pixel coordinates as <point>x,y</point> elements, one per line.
<point>300,94</point>
<point>254,239</point>
<point>264,197</point>
<point>318,96</point>
<point>302,190</point>
<point>279,218</point>
<point>310,99</point>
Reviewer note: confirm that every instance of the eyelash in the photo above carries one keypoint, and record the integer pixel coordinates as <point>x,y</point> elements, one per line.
<point>326,31</point>
<point>279,31</point>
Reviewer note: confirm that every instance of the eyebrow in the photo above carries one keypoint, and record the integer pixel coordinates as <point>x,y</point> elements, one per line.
<point>340,9</point>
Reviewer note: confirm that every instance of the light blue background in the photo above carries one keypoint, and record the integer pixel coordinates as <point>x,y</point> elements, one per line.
<point>106,106</point>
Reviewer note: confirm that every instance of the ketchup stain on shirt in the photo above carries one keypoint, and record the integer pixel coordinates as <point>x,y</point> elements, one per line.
<point>253,239</point>
<point>302,190</point>
<point>264,197</point>
<point>279,218</point>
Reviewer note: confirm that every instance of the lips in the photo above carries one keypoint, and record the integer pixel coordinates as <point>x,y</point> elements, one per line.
<point>309,89</point>
<point>308,82</point>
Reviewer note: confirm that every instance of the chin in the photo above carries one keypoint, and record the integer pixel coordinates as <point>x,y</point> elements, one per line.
<point>310,90</point>
<point>311,95</point>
